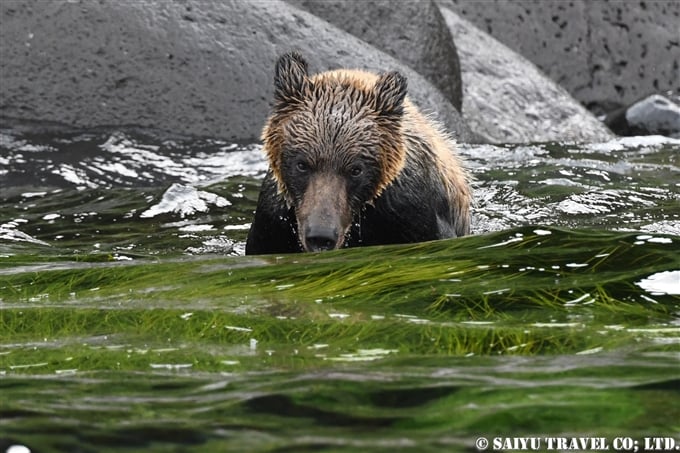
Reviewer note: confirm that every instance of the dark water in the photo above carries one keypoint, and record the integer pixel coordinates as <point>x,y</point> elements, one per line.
<point>627,184</point>
<point>129,319</point>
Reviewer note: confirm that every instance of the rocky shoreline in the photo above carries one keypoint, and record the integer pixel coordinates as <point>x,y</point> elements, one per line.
<point>498,72</point>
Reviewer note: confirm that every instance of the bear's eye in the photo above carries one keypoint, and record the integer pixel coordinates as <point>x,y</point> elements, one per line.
<point>356,171</point>
<point>302,166</point>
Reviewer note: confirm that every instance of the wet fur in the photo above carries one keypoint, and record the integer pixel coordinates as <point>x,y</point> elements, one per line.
<point>412,187</point>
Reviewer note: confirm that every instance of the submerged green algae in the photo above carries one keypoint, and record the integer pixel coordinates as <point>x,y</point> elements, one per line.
<point>476,295</point>
<point>531,331</point>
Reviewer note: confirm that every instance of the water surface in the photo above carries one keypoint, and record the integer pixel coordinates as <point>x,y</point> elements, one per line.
<point>129,318</point>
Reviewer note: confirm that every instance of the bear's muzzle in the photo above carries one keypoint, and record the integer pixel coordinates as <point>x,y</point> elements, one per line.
<point>324,216</point>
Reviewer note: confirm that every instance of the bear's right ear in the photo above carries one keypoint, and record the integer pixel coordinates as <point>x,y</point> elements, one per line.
<point>290,78</point>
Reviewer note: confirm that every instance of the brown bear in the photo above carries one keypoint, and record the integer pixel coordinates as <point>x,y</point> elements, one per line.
<point>353,162</point>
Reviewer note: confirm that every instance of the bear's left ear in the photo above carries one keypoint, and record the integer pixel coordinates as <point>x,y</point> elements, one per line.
<point>390,91</point>
<point>290,78</point>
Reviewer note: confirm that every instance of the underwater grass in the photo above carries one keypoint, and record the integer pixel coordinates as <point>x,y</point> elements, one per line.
<point>471,296</point>
<point>463,269</point>
<point>47,340</point>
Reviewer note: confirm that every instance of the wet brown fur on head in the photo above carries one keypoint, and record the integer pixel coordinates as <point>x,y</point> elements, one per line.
<point>333,118</point>
<point>336,140</point>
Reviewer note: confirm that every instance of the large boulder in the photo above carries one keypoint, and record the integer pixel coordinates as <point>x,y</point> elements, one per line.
<point>412,31</point>
<point>606,54</point>
<point>653,115</point>
<point>507,99</point>
<point>192,68</point>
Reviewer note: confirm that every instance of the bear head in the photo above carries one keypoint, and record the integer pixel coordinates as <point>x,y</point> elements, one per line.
<point>334,142</point>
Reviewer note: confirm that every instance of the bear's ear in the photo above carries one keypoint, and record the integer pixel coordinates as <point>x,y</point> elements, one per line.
<point>390,90</point>
<point>290,78</point>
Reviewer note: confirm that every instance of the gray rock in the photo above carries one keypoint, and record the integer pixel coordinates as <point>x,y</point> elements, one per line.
<point>412,31</point>
<point>195,67</point>
<point>508,100</point>
<point>607,54</point>
<point>652,115</point>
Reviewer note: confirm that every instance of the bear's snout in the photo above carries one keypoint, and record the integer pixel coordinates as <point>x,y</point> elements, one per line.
<point>324,216</point>
<point>320,237</point>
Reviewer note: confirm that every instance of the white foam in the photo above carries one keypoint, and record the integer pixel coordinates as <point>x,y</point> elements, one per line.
<point>9,232</point>
<point>185,200</point>
<point>196,228</point>
<point>363,355</point>
<point>74,175</point>
<point>33,194</point>
<point>220,244</point>
<point>203,167</point>
<point>633,142</point>
<point>18,449</point>
<point>667,282</point>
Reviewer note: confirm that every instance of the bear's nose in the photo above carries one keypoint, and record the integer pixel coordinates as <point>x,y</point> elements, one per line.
<point>318,238</point>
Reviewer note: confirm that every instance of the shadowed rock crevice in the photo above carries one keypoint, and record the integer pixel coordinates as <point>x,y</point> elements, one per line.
<point>412,31</point>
